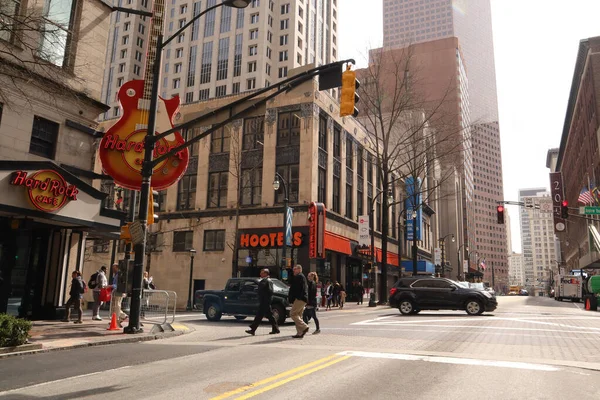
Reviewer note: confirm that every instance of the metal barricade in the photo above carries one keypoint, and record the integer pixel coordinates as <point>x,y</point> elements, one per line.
<point>157,306</point>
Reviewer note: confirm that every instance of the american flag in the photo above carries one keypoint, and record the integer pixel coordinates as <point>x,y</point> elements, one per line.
<point>585,197</point>
<point>483,266</point>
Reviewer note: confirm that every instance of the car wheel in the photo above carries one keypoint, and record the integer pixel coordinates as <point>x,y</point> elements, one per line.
<point>240,317</point>
<point>406,307</point>
<point>213,312</point>
<point>279,314</point>
<point>474,307</point>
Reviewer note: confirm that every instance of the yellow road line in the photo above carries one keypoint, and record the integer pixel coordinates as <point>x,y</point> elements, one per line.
<point>273,378</point>
<point>291,378</point>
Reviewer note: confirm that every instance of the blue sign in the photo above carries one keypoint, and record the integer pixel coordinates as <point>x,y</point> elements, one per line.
<point>288,226</point>
<point>413,202</point>
<point>249,260</point>
<point>284,274</point>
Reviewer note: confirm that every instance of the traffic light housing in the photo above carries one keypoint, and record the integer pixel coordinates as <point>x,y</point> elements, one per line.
<point>500,212</point>
<point>152,205</point>
<point>349,96</point>
<point>564,209</point>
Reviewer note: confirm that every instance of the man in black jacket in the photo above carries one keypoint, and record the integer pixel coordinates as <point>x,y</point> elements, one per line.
<point>298,297</point>
<point>75,297</point>
<point>265,297</point>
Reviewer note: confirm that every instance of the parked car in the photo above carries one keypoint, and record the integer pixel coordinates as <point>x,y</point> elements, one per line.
<point>240,299</point>
<point>523,292</point>
<point>411,295</point>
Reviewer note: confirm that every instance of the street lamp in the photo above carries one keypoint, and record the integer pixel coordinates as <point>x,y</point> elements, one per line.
<point>466,247</point>
<point>190,293</point>
<point>414,244</point>
<point>443,245</point>
<point>148,165</point>
<point>276,184</point>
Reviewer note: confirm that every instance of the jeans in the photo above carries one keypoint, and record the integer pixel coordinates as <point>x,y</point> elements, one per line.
<point>76,302</point>
<point>296,314</point>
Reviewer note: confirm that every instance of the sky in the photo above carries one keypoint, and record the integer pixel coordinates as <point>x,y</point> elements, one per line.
<point>535,46</point>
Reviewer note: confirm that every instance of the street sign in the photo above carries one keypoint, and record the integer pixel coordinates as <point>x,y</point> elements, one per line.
<point>437,256</point>
<point>589,210</point>
<point>288,226</point>
<point>137,232</point>
<point>364,234</point>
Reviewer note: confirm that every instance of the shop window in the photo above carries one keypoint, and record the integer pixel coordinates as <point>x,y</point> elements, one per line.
<point>217,189</point>
<point>101,246</point>
<point>220,140</point>
<point>43,137</point>
<point>183,240</point>
<point>254,129</point>
<point>251,186</point>
<point>291,175</point>
<point>214,240</point>
<point>288,128</point>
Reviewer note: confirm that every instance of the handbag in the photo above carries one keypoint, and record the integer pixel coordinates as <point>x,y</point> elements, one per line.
<point>105,294</point>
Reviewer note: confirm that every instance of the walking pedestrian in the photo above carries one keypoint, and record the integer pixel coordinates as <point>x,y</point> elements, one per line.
<point>75,297</point>
<point>336,294</point>
<point>117,298</point>
<point>99,283</point>
<point>298,297</point>
<point>265,297</point>
<point>328,295</point>
<point>311,307</point>
<point>360,292</point>
<point>342,296</point>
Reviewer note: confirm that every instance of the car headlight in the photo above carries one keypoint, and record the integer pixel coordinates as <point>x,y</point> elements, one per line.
<point>487,294</point>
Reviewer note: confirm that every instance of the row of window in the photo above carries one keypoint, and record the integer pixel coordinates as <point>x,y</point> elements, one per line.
<point>214,240</point>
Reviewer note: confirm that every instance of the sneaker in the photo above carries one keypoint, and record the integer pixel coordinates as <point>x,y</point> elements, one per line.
<point>97,318</point>
<point>316,332</point>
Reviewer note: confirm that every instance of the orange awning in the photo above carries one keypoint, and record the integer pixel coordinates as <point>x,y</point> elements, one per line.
<point>337,243</point>
<point>392,258</point>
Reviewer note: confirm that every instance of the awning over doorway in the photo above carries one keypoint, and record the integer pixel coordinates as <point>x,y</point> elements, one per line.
<point>337,243</point>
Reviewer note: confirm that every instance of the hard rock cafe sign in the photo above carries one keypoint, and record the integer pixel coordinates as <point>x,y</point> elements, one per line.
<point>47,189</point>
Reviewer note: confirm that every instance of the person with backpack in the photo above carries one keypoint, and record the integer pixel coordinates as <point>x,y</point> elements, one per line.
<point>98,282</point>
<point>78,288</point>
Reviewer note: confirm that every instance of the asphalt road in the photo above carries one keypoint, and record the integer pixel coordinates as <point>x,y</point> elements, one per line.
<point>529,348</point>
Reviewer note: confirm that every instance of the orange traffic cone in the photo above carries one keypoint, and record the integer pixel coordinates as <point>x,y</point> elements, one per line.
<point>587,304</point>
<point>113,323</point>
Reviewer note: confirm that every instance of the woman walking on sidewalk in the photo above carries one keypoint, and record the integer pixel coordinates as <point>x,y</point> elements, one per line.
<point>328,295</point>
<point>311,307</point>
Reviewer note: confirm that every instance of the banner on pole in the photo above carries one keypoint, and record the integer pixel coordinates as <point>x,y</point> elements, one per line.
<point>364,231</point>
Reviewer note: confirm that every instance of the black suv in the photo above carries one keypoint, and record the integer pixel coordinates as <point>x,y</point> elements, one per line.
<point>412,295</point>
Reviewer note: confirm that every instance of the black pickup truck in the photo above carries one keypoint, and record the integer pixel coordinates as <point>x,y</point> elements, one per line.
<point>240,299</point>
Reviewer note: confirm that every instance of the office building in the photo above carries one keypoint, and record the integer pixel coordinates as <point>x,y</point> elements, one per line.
<point>516,274</point>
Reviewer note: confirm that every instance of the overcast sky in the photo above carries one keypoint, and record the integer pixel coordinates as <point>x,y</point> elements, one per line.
<point>535,44</point>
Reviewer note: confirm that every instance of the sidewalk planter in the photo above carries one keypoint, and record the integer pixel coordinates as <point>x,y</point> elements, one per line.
<point>13,331</point>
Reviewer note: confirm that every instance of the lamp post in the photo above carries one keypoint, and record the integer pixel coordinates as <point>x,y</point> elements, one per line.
<point>276,184</point>
<point>190,293</point>
<point>148,166</point>
<point>466,247</point>
<point>414,241</point>
<point>443,245</point>
<point>373,296</point>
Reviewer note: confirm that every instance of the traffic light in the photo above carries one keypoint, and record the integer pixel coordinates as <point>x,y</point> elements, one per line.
<point>500,212</point>
<point>564,209</point>
<point>152,205</point>
<point>349,97</point>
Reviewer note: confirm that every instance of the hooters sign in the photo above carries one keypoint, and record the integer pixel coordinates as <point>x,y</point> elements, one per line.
<point>47,189</point>
<point>316,229</point>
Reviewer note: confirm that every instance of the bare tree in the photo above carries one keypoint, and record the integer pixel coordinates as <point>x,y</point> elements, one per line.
<point>412,135</point>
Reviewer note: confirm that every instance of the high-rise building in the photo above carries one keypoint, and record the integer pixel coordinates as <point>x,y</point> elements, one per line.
<point>416,21</point>
<point>226,51</point>
<point>537,239</point>
<point>516,275</point>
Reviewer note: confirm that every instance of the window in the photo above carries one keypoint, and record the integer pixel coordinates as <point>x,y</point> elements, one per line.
<point>251,186</point>
<point>254,18</point>
<point>269,52</point>
<point>284,24</point>
<point>349,152</point>
<point>254,129</point>
<point>288,128</point>
<point>186,192</point>
<point>141,28</point>
<point>269,37</point>
<point>204,94</point>
<point>291,175</point>
<point>322,186</point>
<point>123,53</point>
<point>236,88</point>
<point>140,42</point>
<point>323,132</point>
<point>349,201</point>
<point>206,68</point>
<point>189,97</point>
<point>138,56</point>
<point>181,38</point>
<point>249,286</point>
<point>283,72</point>
<point>233,286</point>
<point>137,70</point>
<point>43,137</point>
<point>125,39</point>
<point>369,168</point>
<point>57,33</point>
<point>336,194</point>
<point>268,70</point>
<point>196,25</point>
<point>254,34</point>
<point>225,19</point>
<point>251,84</point>
<point>223,59</point>
<point>283,55</point>
<point>179,53</point>
<point>237,57</point>
<point>183,240</point>
<point>214,240</point>
<point>423,283</point>
<point>191,73</point>
<point>221,91</point>
<point>126,26</point>
<point>209,24</point>
<point>253,50</point>
<point>120,81</point>
<point>217,189</point>
<point>122,67</point>
<point>178,68</point>
<point>336,142</point>
<point>255,3</point>
<point>183,9</point>
<point>252,66</point>
<point>101,246</point>
<point>240,18</point>
<point>285,9</point>
<point>360,167</point>
<point>300,12</point>
<point>176,83</point>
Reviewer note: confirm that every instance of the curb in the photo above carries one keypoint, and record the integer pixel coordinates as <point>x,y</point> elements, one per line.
<point>129,339</point>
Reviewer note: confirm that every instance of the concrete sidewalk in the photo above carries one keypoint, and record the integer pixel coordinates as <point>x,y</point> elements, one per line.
<point>56,335</point>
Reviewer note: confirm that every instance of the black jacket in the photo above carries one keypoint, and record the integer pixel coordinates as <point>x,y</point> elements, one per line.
<point>312,293</point>
<point>299,289</point>
<point>265,293</point>
<point>76,288</point>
